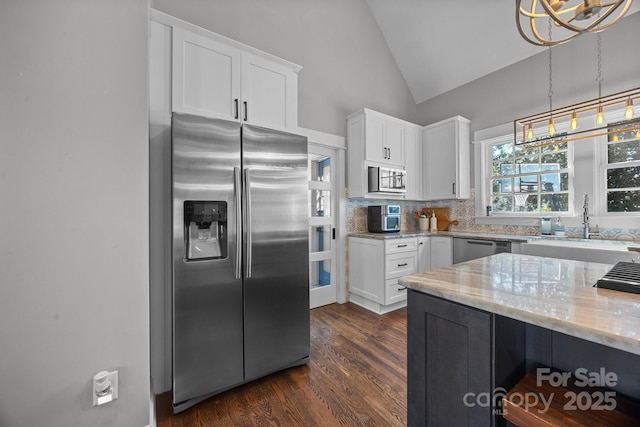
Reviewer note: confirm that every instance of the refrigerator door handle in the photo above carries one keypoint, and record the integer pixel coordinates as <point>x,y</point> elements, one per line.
<point>238,201</point>
<point>247,221</point>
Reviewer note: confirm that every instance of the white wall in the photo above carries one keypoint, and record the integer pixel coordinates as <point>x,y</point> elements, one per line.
<point>346,62</point>
<point>73,211</point>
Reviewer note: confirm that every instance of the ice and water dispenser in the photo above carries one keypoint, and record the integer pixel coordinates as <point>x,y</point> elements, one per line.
<point>205,229</point>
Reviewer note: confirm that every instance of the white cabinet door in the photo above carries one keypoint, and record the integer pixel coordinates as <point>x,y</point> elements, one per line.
<point>366,269</point>
<point>424,254</point>
<point>375,148</point>
<point>269,93</point>
<point>395,143</point>
<point>441,251</point>
<point>445,152</point>
<point>206,76</point>
<point>384,139</point>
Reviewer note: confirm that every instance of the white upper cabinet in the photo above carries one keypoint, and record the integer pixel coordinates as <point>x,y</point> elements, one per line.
<point>445,153</point>
<point>383,138</point>
<point>215,77</point>
<point>206,76</point>
<point>375,139</point>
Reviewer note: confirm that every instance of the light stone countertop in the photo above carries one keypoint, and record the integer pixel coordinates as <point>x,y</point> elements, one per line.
<point>556,294</point>
<point>467,235</point>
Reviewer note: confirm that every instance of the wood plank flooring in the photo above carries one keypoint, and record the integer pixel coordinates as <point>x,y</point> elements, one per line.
<point>357,376</point>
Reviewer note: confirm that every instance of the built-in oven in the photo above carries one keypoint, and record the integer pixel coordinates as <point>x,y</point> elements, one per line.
<point>383,218</point>
<point>387,180</point>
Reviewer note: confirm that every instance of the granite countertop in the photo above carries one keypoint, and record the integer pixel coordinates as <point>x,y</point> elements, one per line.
<point>556,294</point>
<point>466,235</point>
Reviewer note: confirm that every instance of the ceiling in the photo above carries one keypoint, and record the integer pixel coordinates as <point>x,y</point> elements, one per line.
<point>440,45</point>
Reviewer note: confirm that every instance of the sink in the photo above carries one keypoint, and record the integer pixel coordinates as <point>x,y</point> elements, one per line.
<point>604,251</point>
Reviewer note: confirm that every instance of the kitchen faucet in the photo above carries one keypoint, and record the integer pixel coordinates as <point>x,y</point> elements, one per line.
<point>586,232</point>
<point>585,217</point>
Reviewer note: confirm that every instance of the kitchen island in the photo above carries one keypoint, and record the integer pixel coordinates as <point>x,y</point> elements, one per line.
<point>476,328</point>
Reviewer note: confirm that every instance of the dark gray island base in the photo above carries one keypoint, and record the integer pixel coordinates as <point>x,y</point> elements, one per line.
<point>463,359</point>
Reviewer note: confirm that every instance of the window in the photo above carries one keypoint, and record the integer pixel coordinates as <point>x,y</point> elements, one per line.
<point>622,169</point>
<point>530,177</point>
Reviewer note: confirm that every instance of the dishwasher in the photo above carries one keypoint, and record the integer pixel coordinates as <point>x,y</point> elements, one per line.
<point>468,249</point>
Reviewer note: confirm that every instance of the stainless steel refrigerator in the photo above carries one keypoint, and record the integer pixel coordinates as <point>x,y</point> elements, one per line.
<point>240,255</point>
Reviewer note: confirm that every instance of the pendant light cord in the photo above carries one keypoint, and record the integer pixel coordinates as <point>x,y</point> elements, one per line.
<point>599,79</point>
<point>550,73</point>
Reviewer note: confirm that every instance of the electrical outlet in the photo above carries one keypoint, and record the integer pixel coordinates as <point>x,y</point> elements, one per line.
<point>105,387</point>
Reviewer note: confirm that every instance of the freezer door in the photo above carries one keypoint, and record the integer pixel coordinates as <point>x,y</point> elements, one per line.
<point>207,284</point>
<point>276,270</point>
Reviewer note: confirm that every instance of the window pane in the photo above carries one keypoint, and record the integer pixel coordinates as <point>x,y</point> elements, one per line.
<point>554,160</point>
<point>502,151</point>
<point>527,164</point>
<point>320,238</point>
<point>502,186</point>
<point>623,201</point>
<point>320,203</point>
<point>526,184</point>
<point>526,202</point>
<point>555,202</point>
<point>502,168</point>
<point>554,181</point>
<point>502,204</point>
<point>623,177</point>
<point>319,168</point>
<point>320,273</point>
<point>625,151</point>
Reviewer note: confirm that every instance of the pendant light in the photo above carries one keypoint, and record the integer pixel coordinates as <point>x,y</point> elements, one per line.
<point>628,111</point>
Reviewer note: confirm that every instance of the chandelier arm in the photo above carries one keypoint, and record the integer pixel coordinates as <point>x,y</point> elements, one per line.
<point>605,15</point>
<point>540,40</point>
<point>533,14</point>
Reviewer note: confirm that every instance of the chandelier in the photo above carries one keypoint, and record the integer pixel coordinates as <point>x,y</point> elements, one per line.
<point>573,17</point>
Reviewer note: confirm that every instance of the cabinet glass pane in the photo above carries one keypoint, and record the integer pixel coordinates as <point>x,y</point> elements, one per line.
<point>320,238</point>
<point>320,203</point>
<point>319,168</point>
<point>320,274</point>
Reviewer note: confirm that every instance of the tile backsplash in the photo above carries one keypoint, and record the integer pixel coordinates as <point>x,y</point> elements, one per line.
<point>464,212</point>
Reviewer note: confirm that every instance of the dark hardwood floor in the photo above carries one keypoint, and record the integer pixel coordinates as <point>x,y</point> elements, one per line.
<point>357,376</point>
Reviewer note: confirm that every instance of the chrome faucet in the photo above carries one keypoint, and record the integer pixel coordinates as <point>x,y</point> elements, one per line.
<point>585,217</point>
<point>586,231</point>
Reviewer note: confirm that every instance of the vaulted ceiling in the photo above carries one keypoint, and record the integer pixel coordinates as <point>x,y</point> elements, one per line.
<point>441,45</point>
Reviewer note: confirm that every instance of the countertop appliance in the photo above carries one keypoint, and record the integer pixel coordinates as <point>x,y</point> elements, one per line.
<point>240,247</point>
<point>383,218</point>
<point>468,249</point>
<point>387,180</point>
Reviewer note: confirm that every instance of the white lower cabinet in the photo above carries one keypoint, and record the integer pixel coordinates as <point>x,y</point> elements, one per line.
<point>424,254</point>
<point>441,251</point>
<point>374,268</point>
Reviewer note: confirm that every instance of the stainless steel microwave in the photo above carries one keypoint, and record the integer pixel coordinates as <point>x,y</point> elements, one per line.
<point>383,218</point>
<point>387,180</point>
